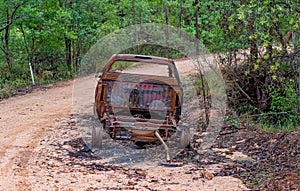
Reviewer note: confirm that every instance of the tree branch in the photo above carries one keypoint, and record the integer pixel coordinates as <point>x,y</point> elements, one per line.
<point>243,92</point>
<point>13,17</point>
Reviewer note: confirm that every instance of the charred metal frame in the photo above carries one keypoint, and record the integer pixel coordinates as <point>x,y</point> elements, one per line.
<point>140,128</point>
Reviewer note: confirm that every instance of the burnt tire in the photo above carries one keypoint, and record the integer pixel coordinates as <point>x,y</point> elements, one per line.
<point>97,132</point>
<point>185,137</point>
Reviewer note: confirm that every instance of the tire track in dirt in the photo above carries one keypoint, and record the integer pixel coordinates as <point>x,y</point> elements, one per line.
<point>23,120</point>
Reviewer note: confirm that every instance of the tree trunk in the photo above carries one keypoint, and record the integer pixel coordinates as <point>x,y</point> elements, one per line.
<point>9,20</point>
<point>253,55</point>
<point>297,82</point>
<point>135,27</point>
<point>180,17</point>
<point>253,45</point>
<point>197,31</point>
<point>27,48</point>
<point>68,54</point>
<point>296,63</point>
<point>265,95</point>
<point>6,40</point>
<point>77,55</point>
<point>203,82</point>
<point>167,24</point>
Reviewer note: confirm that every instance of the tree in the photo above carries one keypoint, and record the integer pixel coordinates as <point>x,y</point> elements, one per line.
<point>10,10</point>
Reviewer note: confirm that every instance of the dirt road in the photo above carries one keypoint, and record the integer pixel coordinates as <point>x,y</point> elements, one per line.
<point>23,123</point>
<point>40,150</point>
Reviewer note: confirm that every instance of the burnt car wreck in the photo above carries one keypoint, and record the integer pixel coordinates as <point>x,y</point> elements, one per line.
<point>138,105</point>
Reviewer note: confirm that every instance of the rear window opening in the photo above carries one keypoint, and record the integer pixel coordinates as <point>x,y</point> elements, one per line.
<point>154,69</point>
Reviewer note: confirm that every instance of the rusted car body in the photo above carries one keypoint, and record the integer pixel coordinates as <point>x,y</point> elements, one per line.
<point>141,107</point>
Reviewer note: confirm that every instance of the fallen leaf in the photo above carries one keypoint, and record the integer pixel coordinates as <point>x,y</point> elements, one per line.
<point>228,152</point>
<point>141,173</point>
<point>207,175</point>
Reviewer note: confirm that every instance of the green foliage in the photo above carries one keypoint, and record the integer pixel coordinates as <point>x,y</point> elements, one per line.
<point>154,50</point>
<point>281,115</point>
<point>259,61</point>
<point>40,32</point>
<point>232,122</point>
<point>10,88</point>
<point>120,65</point>
<point>283,106</point>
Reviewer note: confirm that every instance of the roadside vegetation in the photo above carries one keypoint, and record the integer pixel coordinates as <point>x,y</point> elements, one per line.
<point>256,44</point>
